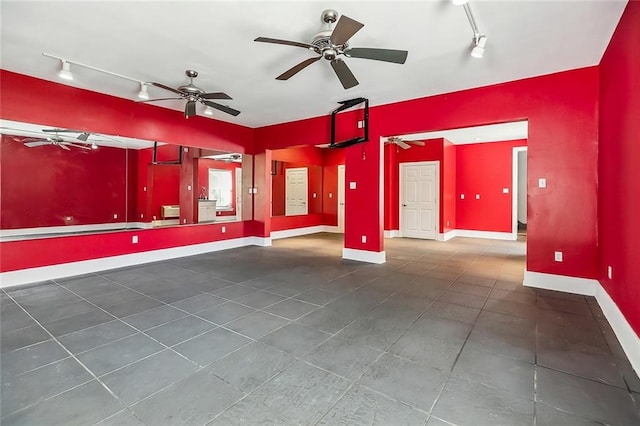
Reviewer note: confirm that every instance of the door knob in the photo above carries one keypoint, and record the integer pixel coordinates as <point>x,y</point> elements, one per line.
<point>404,205</point>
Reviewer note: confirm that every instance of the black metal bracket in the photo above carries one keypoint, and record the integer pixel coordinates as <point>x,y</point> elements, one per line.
<point>155,154</point>
<point>346,105</point>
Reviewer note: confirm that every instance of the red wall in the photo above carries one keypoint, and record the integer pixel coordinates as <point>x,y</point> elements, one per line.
<point>619,203</point>
<point>332,158</point>
<point>449,182</point>
<point>43,186</point>
<point>485,169</point>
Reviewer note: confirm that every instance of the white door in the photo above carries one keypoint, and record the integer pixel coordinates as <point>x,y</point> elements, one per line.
<point>238,193</point>
<point>419,189</point>
<point>296,191</point>
<point>341,198</point>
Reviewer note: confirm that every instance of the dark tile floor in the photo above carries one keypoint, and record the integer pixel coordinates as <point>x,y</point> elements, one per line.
<point>443,333</point>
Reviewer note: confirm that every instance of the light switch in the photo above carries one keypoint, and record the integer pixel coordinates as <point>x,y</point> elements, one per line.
<point>352,185</point>
<point>462,196</point>
<point>542,183</point>
<point>364,239</point>
<point>134,239</point>
<point>115,215</point>
<point>477,196</point>
<point>505,190</point>
<point>558,256</point>
<point>314,195</point>
<point>188,187</point>
<point>331,195</point>
<point>224,229</point>
<point>186,149</point>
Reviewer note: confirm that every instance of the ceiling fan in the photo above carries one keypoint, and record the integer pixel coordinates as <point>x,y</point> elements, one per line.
<point>330,44</point>
<point>57,140</point>
<point>193,94</point>
<point>395,140</point>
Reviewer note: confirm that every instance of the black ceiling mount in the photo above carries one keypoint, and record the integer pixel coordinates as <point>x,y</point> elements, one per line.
<point>365,127</point>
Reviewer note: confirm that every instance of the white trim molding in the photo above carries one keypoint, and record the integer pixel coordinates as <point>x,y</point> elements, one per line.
<point>491,235</point>
<point>364,255</point>
<point>575,285</point>
<point>70,229</point>
<point>296,232</point>
<point>447,235</point>
<point>393,233</point>
<point>628,339</point>
<point>514,189</point>
<point>42,273</point>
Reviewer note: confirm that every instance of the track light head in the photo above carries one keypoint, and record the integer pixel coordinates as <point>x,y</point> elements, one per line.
<point>143,94</point>
<point>480,43</point>
<point>94,145</point>
<point>65,70</point>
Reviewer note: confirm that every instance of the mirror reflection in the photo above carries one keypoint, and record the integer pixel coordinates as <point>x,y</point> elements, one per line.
<point>59,182</point>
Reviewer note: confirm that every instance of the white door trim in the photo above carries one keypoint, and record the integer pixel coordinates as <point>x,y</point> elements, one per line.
<point>401,193</point>
<point>341,197</point>
<point>514,191</point>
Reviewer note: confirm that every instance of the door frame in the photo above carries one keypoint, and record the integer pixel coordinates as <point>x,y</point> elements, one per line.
<point>341,192</point>
<point>514,191</point>
<point>401,193</point>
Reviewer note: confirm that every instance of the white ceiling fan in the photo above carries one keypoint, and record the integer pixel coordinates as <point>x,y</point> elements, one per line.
<point>396,140</point>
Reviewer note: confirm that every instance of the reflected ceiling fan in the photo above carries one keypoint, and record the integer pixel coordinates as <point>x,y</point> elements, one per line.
<point>330,44</point>
<point>193,94</point>
<point>395,140</point>
<point>56,140</point>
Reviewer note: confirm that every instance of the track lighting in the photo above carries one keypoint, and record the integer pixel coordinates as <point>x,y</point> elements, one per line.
<point>94,146</point>
<point>65,70</point>
<point>143,94</point>
<point>478,50</point>
<point>208,110</point>
<point>459,2</point>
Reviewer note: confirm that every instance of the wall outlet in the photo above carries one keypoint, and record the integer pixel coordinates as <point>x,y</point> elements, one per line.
<point>557,256</point>
<point>134,239</point>
<point>462,196</point>
<point>448,223</point>
<point>115,215</point>
<point>610,272</point>
<point>186,149</point>
<point>315,195</point>
<point>141,216</point>
<point>360,124</point>
<point>364,239</point>
<point>542,183</point>
<point>505,190</point>
<point>477,196</point>
<point>188,187</point>
<point>352,185</point>
<point>331,195</point>
<point>224,229</point>
<point>144,188</point>
<point>184,220</point>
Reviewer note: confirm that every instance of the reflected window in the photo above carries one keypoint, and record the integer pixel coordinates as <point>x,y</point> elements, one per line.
<point>220,187</point>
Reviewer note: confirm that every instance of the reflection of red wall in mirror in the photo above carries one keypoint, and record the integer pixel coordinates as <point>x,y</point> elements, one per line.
<point>50,186</point>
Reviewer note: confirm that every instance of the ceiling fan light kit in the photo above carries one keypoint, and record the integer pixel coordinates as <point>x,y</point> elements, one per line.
<point>330,44</point>
<point>65,70</point>
<point>143,93</point>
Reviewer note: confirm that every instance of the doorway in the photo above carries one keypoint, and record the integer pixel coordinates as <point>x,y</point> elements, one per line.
<point>296,191</point>
<point>419,199</point>
<point>519,208</point>
<point>341,206</point>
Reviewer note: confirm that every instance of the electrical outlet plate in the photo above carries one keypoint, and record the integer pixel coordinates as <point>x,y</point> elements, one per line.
<point>364,239</point>
<point>558,256</point>
<point>610,272</point>
<point>352,185</point>
<point>542,183</point>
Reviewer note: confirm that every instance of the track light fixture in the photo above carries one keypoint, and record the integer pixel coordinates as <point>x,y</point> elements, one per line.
<point>143,94</point>
<point>479,39</point>
<point>65,70</point>
<point>94,146</point>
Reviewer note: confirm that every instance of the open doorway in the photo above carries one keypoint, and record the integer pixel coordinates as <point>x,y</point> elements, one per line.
<point>519,209</point>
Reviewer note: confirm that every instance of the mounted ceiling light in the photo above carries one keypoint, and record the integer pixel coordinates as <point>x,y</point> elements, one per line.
<point>479,39</point>
<point>94,146</point>
<point>143,94</point>
<point>65,70</point>
<point>208,110</point>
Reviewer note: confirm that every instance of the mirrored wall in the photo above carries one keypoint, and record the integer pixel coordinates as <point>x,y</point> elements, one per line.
<point>65,182</point>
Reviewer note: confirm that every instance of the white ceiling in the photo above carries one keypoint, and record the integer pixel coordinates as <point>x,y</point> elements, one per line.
<point>159,40</point>
<point>477,134</point>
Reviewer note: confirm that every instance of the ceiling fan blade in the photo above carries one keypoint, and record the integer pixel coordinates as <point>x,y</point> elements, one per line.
<point>36,143</point>
<point>61,131</point>
<point>159,99</point>
<point>83,136</point>
<point>216,95</point>
<point>386,55</point>
<point>170,89</point>
<point>190,109</point>
<point>344,74</point>
<point>296,69</point>
<point>403,145</point>
<point>419,143</point>
<point>285,42</point>
<point>222,108</point>
<point>78,146</point>
<point>344,30</point>
<point>63,146</point>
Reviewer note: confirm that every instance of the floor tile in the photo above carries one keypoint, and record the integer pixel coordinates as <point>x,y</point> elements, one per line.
<point>361,406</point>
<point>80,406</point>
<point>194,400</point>
<point>133,306</point>
<point>251,366</point>
<point>90,338</point>
<point>586,398</point>
<point>154,317</point>
<point>450,311</point>
<point>234,291</point>
<point>48,313</point>
<point>344,358</point>
<point>469,403</point>
<point>549,416</point>
<point>13,317</point>
<point>122,418</point>
<point>505,335</point>
<point>21,391</point>
<point>111,356</point>
<point>225,313</point>
<point>22,337</point>
<point>463,299</point>
<point>317,296</point>
<point>291,309</point>
<point>373,331</point>
<point>257,324</point>
<point>198,303</point>
<point>139,380</point>
<point>34,356</point>
<point>180,330</point>
<point>427,350</point>
<point>295,339</point>
<point>475,290</point>
<point>211,346</point>
<point>328,320</point>
<point>405,381</point>
<point>77,322</point>
<point>259,299</point>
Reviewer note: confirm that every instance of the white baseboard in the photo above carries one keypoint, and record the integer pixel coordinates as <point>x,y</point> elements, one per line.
<point>447,235</point>
<point>393,233</point>
<point>43,273</point>
<point>629,340</point>
<point>575,285</point>
<point>296,232</point>
<point>364,255</point>
<point>485,234</point>
<point>70,229</point>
